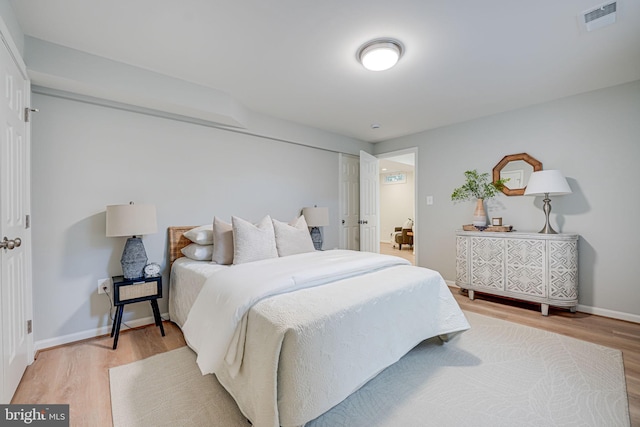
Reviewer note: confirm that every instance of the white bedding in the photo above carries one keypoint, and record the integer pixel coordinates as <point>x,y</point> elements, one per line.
<point>187,278</point>
<point>303,352</point>
<point>215,325</point>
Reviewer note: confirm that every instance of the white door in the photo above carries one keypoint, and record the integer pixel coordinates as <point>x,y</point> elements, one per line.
<point>349,202</point>
<point>369,203</point>
<point>15,235</point>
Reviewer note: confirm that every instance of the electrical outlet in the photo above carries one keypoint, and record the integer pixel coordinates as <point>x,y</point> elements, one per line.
<point>104,285</point>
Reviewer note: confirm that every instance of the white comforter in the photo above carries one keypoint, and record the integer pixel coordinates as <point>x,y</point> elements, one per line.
<point>308,350</point>
<point>214,327</point>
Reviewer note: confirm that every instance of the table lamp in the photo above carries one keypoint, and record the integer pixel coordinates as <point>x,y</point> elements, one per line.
<point>133,221</point>
<point>316,217</point>
<point>547,183</point>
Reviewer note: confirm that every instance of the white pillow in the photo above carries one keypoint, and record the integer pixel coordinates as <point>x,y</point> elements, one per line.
<point>202,235</point>
<point>408,224</point>
<point>198,252</point>
<point>253,242</point>
<point>293,238</point>
<point>222,242</point>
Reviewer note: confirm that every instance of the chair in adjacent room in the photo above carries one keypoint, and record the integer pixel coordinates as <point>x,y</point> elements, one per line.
<point>404,234</point>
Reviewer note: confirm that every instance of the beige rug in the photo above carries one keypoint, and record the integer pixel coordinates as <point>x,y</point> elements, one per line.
<point>496,374</point>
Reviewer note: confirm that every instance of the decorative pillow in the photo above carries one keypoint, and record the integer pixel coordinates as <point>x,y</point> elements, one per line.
<point>202,235</point>
<point>293,238</point>
<point>222,242</point>
<point>198,252</point>
<point>253,242</point>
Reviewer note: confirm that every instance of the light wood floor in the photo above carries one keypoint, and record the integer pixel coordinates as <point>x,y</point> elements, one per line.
<point>406,252</point>
<point>78,374</point>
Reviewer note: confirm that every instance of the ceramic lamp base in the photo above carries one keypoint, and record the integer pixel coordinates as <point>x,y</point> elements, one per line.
<point>316,238</point>
<point>134,258</point>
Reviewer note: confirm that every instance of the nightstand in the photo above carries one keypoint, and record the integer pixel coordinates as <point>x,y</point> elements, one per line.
<point>126,291</point>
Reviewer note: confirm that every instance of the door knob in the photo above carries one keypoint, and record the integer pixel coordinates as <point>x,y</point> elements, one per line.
<point>10,244</point>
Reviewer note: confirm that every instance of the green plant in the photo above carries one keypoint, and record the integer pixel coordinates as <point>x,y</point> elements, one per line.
<point>477,186</point>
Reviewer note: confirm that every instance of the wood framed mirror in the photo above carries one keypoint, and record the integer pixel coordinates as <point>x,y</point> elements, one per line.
<point>518,168</point>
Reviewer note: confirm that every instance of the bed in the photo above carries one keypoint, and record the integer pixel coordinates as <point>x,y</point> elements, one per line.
<point>295,354</point>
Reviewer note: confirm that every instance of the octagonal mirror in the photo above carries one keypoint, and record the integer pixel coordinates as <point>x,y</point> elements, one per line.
<point>518,168</point>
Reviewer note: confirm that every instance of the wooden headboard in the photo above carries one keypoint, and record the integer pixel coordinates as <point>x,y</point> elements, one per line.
<point>177,241</point>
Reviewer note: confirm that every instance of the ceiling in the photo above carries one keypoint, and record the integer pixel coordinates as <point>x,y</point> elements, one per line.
<point>295,59</point>
<point>397,163</point>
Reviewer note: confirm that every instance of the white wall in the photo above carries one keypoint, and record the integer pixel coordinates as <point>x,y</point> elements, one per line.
<point>396,205</point>
<point>9,19</point>
<point>86,156</point>
<point>593,139</point>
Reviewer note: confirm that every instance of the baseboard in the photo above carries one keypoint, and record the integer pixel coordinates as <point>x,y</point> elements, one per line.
<point>93,333</point>
<point>628,317</point>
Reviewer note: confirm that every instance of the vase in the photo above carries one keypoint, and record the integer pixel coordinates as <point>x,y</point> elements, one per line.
<point>479,215</point>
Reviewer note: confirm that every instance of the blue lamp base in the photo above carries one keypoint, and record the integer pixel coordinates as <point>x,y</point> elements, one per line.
<point>316,238</point>
<point>134,258</point>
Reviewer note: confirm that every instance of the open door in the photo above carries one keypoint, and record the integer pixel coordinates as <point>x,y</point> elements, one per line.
<point>15,234</point>
<point>369,203</point>
<point>349,202</point>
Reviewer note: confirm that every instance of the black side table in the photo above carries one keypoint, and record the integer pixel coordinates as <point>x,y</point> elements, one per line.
<point>127,291</point>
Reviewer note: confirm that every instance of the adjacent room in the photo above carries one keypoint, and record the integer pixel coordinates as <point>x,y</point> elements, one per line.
<point>397,205</point>
<point>361,213</point>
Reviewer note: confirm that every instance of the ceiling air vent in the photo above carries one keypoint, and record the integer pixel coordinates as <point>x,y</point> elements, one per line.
<point>599,16</point>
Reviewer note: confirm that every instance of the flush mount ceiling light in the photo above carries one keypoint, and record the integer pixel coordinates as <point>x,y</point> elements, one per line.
<point>380,54</point>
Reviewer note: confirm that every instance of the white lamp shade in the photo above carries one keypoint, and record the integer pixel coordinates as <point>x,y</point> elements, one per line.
<point>547,181</point>
<point>131,220</point>
<point>316,217</point>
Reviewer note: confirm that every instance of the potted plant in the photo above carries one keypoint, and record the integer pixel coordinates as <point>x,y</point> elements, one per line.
<point>478,187</point>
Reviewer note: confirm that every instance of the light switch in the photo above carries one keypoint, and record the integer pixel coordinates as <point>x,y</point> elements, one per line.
<point>429,200</point>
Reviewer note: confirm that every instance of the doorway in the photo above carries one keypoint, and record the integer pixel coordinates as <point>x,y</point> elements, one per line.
<point>398,210</point>
<point>385,222</point>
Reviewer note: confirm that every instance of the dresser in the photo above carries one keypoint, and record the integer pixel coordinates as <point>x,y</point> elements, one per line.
<point>540,268</point>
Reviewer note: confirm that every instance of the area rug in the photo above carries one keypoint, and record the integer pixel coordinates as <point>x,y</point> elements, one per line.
<point>496,374</point>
